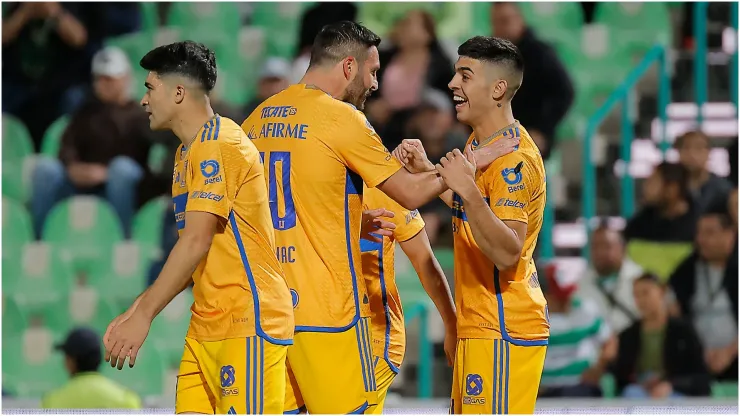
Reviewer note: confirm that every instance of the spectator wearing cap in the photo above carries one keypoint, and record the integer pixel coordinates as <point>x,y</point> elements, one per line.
<point>103,150</point>
<point>706,188</point>
<point>658,357</point>
<point>706,291</point>
<point>547,91</point>
<point>661,235</point>
<point>609,277</point>
<point>581,343</point>
<point>273,79</point>
<point>87,389</point>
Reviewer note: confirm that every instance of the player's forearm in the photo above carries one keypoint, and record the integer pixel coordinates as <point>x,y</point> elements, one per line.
<point>495,239</point>
<point>446,197</point>
<point>176,275</point>
<point>423,188</point>
<point>434,282</point>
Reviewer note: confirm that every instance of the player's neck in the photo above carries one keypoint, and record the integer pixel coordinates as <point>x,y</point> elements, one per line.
<point>322,79</point>
<point>188,124</point>
<point>494,122</point>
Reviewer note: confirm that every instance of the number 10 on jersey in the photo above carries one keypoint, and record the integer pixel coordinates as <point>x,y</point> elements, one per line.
<point>278,183</point>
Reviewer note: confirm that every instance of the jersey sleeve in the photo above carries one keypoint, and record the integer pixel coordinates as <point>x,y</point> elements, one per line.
<point>216,169</point>
<point>361,150</point>
<point>512,184</point>
<point>408,223</point>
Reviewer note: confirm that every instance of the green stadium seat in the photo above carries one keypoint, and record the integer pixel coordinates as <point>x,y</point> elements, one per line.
<point>148,223</point>
<point>281,23</point>
<point>14,322</point>
<point>724,390</point>
<point>31,368</point>
<point>564,15</point>
<point>89,307</point>
<point>638,26</point>
<point>146,378</point>
<point>85,227</point>
<point>17,227</point>
<point>214,16</point>
<point>121,277</point>
<point>158,156</point>
<point>37,276</point>
<point>17,142</point>
<point>149,17</point>
<point>17,157</point>
<point>52,139</point>
<point>170,327</point>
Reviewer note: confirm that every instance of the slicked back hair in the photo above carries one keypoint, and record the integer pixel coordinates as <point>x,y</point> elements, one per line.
<point>339,40</point>
<point>188,59</point>
<point>499,52</point>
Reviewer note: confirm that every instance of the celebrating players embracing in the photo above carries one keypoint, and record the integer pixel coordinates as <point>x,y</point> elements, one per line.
<point>236,346</point>
<point>503,326</point>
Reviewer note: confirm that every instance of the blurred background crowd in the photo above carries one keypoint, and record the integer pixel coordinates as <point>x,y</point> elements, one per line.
<point>643,300</point>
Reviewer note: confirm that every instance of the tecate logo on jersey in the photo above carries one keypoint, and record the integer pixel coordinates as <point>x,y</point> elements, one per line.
<point>206,195</point>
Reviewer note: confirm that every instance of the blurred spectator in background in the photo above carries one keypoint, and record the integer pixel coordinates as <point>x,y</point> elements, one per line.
<point>104,149</point>
<point>87,389</point>
<point>609,279</point>
<point>661,234</point>
<point>433,122</point>
<point>416,61</point>
<point>706,188</point>
<point>46,57</point>
<point>318,16</point>
<point>581,344</point>
<point>451,18</point>
<point>657,356</point>
<point>273,79</point>
<point>705,287</point>
<point>547,92</point>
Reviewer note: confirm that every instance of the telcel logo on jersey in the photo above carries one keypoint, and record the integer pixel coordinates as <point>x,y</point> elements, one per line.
<point>506,202</point>
<point>227,381</point>
<point>206,195</point>
<point>473,387</point>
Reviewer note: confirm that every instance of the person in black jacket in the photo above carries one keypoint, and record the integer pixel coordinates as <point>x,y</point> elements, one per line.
<point>547,91</point>
<point>705,286</point>
<point>657,356</point>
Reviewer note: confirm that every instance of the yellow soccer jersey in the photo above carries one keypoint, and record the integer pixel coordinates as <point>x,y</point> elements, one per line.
<point>239,286</point>
<point>507,304</point>
<point>317,153</point>
<point>389,333</point>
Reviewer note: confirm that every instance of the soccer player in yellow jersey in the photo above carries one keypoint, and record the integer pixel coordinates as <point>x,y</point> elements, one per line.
<point>503,325</point>
<point>234,359</point>
<point>318,150</point>
<point>378,267</point>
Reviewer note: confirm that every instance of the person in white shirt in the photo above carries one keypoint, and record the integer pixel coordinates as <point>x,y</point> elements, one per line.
<point>609,279</point>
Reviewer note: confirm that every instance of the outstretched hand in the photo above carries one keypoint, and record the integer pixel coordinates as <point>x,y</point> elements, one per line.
<point>485,155</point>
<point>374,226</point>
<point>125,339</point>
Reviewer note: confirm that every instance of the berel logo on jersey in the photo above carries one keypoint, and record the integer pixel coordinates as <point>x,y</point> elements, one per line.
<point>209,181</point>
<point>206,195</point>
<point>228,378</point>
<point>513,177</point>
<point>506,202</point>
<point>209,168</point>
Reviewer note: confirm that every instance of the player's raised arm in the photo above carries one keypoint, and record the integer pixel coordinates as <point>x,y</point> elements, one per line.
<point>500,238</point>
<point>419,251</point>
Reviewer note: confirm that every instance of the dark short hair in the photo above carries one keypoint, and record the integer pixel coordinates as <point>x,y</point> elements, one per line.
<point>680,140</point>
<point>497,51</point>
<point>649,278</point>
<point>189,59</point>
<point>675,173</point>
<point>718,210</point>
<point>337,41</point>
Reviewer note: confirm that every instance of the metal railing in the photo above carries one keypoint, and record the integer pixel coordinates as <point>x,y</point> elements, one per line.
<point>657,54</point>
<point>420,311</point>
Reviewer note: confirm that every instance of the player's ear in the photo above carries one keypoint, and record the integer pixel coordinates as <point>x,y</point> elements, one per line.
<point>350,67</point>
<point>179,93</point>
<point>498,90</point>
